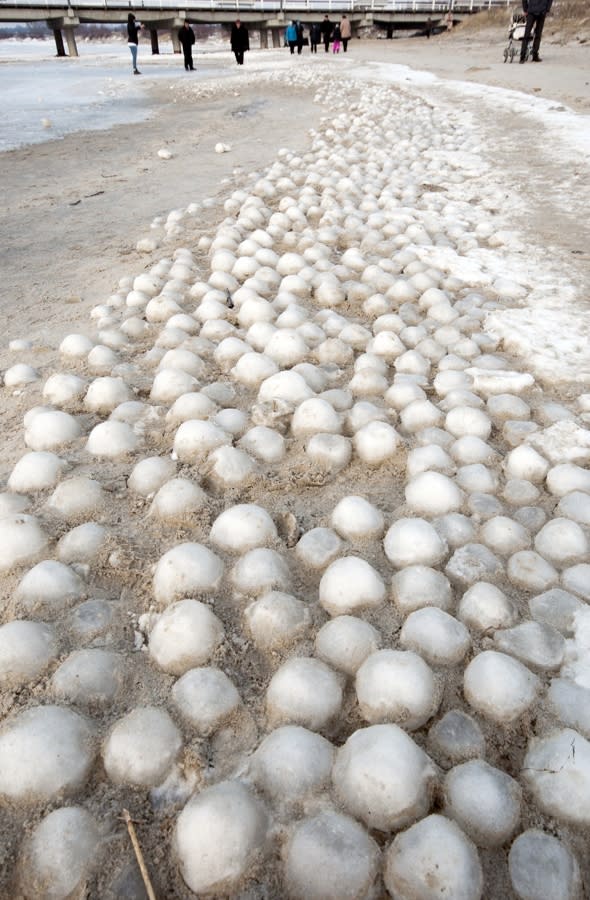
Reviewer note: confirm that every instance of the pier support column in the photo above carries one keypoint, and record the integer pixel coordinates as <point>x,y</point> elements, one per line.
<point>59,42</point>
<point>175,41</point>
<point>71,40</point>
<point>277,34</point>
<point>154,40</point>
<point>264,38</point>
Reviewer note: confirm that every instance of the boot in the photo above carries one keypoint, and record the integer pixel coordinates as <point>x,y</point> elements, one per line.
<point>136,72</point>
<point>537,58</point>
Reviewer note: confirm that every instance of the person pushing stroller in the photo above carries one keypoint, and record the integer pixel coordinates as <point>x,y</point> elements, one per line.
<point>535,11</point>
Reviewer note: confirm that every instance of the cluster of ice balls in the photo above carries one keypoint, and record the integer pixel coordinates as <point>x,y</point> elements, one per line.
<point>313,325</point>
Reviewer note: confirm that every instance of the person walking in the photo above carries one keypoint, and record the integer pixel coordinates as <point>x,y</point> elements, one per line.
<point>291,36</point>
<point>345,32</point>
<point>326,29</point>
<point>186,36</point>
<point>299,29</point>
<point>336,38</point>
<point>535,11</point>
<point>315,36</point>
<point>428,27</point>
<point>240,41</point>
<point>133,29</point>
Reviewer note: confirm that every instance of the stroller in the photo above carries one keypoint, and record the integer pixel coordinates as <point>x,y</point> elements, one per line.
<point>515,37</point>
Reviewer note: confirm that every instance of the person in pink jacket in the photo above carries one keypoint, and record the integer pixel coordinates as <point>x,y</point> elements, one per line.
<point>345,32</point>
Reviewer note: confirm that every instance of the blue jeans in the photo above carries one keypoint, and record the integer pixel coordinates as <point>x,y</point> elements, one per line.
<point>133,48</point>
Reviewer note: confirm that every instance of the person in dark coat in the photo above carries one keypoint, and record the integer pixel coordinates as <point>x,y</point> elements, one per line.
<point>535,10</point>
<point>240,42</point>
<point>326,29</point>
<point>299,30</point>
<point>186,36</point>
<point>315,36</point>
<point>133,29</point>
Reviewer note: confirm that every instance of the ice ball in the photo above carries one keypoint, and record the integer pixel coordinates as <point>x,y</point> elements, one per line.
<point>219,836</point>
<point>383,778</point>
<point>22,540</point>
<point>541,866</point>
<point>277,619</point>
<point>44,752</point>
<point>414,542</point>
<point>557,771</point>
<point>60,853</point>
<point>89,677</point>
<point>49,587</point>
<point>433,859</point>
<point>499,687</point>
<point>484,801</point>
<point>243,527</point>
<point>149,474</point>
<point>345,642</point>
<point>206,698</point>
<point>26,651</point>
<point>185,570</point>
<point>141,748</point>
<point>355,518</point>
<point>348,584</point>
<point>330,857</point>
<point>36,471</point>
<point>112,439</point>
<point>306,692</point>
<point>396,685</point>
<point>187,634</point>
<point>292,762</point>
<point>436,636</point>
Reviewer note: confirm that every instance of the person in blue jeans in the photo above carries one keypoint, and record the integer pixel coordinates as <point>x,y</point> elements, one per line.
<point>133,29</point>
<point>535,10</point>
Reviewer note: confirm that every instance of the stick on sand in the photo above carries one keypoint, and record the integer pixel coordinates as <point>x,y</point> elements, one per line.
<point>139,855</point>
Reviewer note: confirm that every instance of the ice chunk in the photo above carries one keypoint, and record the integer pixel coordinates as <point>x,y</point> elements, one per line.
<point>433,494</point>
<point>562,542</point>
<point>243,527</point>
<point>457,737</point>
<point>291,762</point>
<point>484,606</point>
<point>433,859</point>
<point>557,771</point>
<point>529,571</point>
<point>571,703</point>
<point>348,584</point>
<point>471,563</point>
<point>484,801</point>
<point>184,571</point>
<point>383,778</point>
<point>345,642</point>
<point>330,857</point>
<point>26,651</point>
<point>541,866</point>
<point>277,619</point>
<point>206,698</point>
<point>435,635</point>
<point>396,685</point>
<point>187,634</point>
<point>306,692</point>
<point>556,608</point>
<point>499,687</point>
<point>414,542</point>
<point>142,747</point>
<point>355,518</point>
<point>534,643</point>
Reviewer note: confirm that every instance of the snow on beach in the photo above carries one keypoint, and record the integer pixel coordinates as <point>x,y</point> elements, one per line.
<point>297,557</point>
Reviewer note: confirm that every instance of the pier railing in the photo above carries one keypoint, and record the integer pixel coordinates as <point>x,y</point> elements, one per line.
<point>268,6</point>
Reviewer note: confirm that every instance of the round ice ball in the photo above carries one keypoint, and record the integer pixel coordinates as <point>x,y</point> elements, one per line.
<point>36,471</point>
<point>433,494</point>
<point>484,801</point>
<point>26,651</point>
<point>112,439</point>
<point>229,466</point>
<point>396,685</point>
<point>243,527</point>
<point>304,691</point>
<point>62,389</point>
<point>414,542</point>
<point>49,587</point>
<point>313,416</point>
<point>219,836</point>
<point>485,607</point>
<point>462,420</point>
<point>499,687</point>
<point>355,518</point>
<point>264,443</point>
<point>89,677</point>
<point>562,542</point>
<point>260,570</point>
<point>414,587</point>
<point>457,737</point>
<point>557,771</point>
<point>433,859</point>
<point>187,634</point>
<point>82,544</point>
<point>206,698</point>
<point>106,393</point>
<point>376,442</point>
<point>49,430</point>
<point>185,570</point>
<point>505,536</point>
<point>331,452</point>
<point>149,474</point>
<point>345,642</point>
<point>318,547</point>
<point>177,500</point>
<point>60,853</point>
<point>350,583</point>
<point>526,463</point>
<point>330,857</point>
<point>291,762</point>
<point>44,752</point>
<point>142,748</point>
<point>436,636</point>
<point>77,497</point>
<point>277,619</point>
<point>22,540</point>
<point>383,778</point>
<point>541,866</point>
<point>19,375</point>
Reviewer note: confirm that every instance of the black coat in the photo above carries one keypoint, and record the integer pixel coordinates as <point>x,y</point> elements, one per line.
<point>133,32</point>
<point>240,42</point>
<point>186,36</point>
<point>326,28</point>
<point>537,7</point>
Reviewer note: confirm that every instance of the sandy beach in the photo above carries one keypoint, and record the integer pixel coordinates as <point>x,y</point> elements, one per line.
<point>490,202</point>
